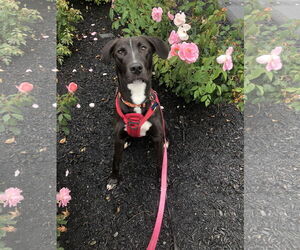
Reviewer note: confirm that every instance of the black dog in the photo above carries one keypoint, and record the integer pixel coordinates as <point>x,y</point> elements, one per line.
<point>133,58</point>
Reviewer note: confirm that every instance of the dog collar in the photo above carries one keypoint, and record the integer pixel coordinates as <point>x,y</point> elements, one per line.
<point>132,105</point>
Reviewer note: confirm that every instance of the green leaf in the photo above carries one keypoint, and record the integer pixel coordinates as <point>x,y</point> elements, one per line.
<point>269,75</point>
<point>261,89</point>
<point>66,130</point>
<point>249,87</point>
<point>60,117</point>
<point>6,117</point>
<point>207,102</point>
<point>18,117</point>
<point>210,87</point>
<point>68,117</point>
<point>255,73</point>
<point>204,98</point>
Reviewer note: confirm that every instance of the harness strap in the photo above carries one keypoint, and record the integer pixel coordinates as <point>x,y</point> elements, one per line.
<point>154,105</point>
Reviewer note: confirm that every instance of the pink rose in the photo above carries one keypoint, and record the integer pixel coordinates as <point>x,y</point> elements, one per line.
<point>11,197</point>
<point>188,52</point>
<point>72,87</point>
<point>174,50</point>
<point>63,197</point>
<point>157,14</point>
<point>273,60</point>
<point>174,38</point>
<point>170,16</point>
<point>25,87</point>
<point>226,59</point>
<point>179,19</point>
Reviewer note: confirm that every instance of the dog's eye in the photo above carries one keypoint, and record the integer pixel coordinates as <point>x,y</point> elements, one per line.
<point>143,47</point>
<point>121,51</point>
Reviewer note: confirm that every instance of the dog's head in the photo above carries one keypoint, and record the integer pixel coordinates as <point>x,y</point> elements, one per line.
<point>133,56</point>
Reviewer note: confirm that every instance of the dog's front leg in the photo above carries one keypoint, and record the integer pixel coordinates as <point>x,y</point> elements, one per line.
<point>120,137</point>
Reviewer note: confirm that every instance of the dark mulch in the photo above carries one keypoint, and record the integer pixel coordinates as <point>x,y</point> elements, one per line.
<point>205,195</point>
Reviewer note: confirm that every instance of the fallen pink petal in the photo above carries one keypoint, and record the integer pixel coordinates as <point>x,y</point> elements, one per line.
<point>93,33</point>
<point>17,173</point>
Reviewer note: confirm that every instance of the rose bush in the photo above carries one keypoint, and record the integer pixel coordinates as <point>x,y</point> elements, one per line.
<point>66,17</point>
<point>198,33</point>
<point>11,108</point>
<point>14,28</point>
<point>62,197</point>
<point>272,63</point>
<point>64,104</point>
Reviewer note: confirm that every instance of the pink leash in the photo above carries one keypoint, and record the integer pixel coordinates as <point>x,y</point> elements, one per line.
<point>163,194</point>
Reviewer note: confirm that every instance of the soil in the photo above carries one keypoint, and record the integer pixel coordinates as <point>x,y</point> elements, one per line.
<point>205,192</point>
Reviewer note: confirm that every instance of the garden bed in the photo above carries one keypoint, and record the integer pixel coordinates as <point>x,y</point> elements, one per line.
<point>205,195</point>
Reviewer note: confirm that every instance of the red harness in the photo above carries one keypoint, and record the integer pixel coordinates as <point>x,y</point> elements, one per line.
<point>134,121</point>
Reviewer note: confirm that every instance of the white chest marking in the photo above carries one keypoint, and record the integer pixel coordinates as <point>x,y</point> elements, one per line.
<point>137,89</point>
<point>145,127</point>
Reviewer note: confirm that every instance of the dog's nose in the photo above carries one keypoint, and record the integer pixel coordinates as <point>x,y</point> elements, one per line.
<point>136,68</point>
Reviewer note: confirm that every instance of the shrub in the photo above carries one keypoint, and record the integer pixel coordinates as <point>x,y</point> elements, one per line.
<point>202,81</point>
<point>66,18</point>
<point>11,114</point>
<point>14,28</point>
<point>276,85</point>
<point>98,2</point>
<point>7,220</point>
<point>64,104</point>
<point>63,197</point>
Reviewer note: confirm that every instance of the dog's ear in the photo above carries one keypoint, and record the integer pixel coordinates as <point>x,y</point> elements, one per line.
<point>160,47</point>
<point>107,50</point>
